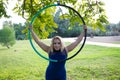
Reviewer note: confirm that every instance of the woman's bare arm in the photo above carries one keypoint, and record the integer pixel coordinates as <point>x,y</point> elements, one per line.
<point>37,40</point>
<point>75,43</point>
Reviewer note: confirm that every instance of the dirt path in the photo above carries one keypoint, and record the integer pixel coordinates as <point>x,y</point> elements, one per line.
<point>107,39</point>
<point>101,41</point>
<point>104,41</point>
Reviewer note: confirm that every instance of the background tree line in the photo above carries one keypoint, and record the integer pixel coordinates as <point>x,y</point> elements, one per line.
<point>110,30</point>
<point>20,34</point>
<point>28,8</point>
<point>12,32</point>
<point>87,8</point>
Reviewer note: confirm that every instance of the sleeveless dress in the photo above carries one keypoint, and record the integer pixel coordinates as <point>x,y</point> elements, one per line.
<point>56,70</point>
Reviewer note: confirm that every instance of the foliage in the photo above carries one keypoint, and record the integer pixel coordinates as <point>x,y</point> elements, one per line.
<point>3,7</point>
<point>92,11</point>
<point>7,36</point>
<point>19,31</point>
<point>111,30</point>
<point>66,27</point>
<point>114,29</point>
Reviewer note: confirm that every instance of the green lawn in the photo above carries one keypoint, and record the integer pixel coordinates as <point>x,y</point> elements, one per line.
<point>93,63</point>
<point>116,42</point>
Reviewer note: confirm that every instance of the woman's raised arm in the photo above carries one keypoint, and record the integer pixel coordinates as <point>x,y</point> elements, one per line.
<point>78,40</point>
<point>37,40</point>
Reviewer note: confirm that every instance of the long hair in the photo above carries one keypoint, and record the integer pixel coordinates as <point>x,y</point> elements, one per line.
<point>62,44</point>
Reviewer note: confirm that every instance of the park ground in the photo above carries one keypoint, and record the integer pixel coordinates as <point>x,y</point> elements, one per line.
<point>93,63</point>
<point>109,41</point>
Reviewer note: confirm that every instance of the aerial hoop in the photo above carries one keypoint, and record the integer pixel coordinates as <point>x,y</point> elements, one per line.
<point>44,8</point>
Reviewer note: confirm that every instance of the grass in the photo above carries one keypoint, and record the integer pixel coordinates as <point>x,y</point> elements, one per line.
<point>93,63</point>
<point>116,42</point>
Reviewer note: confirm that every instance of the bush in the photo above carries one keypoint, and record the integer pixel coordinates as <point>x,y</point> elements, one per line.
<point>7,37</point>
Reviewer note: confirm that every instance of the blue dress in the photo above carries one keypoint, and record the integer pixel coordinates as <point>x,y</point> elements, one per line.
<point>56,70</point>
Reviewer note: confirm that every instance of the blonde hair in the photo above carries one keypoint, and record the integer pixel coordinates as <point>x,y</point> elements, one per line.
<point>61,41</point>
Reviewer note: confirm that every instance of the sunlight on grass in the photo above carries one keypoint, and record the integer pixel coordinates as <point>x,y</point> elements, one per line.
<point>93,63</point>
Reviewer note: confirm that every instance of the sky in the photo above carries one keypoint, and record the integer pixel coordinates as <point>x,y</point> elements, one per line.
<point>111,7</point>
<point>14,17</point>
<point>112,10</point>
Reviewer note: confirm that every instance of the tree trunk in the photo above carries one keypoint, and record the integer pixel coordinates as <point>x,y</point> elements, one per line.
<point>8,47</point>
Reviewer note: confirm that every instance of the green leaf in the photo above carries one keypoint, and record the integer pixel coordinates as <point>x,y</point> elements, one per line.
<point>100,25</point>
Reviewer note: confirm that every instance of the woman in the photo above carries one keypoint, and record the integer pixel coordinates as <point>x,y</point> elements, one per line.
<point>57,51</point>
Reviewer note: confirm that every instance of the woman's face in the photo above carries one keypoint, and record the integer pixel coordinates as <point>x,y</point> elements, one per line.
<point>56,44</point>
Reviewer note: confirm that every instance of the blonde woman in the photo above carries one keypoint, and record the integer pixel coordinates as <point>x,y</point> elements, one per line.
<point>57,51</point>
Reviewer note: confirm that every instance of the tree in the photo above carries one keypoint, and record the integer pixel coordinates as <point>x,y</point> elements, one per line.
<point>3,6</point>
<point>118,27</point>
<point>19,28</point>
<point>91,10</point>
<point>7,36</point>
<point>66,28</point>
